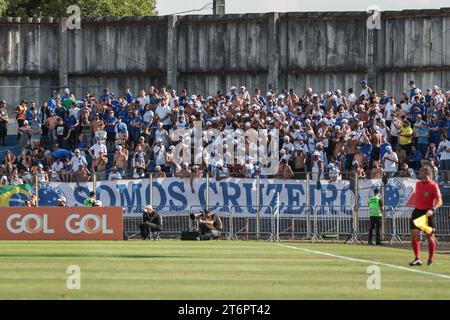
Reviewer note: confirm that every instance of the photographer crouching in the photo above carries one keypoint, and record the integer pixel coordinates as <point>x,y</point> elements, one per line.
<point>209,224</point>
<point>151,222</point>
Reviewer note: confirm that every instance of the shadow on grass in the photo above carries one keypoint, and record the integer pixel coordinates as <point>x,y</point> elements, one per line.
<point>77,255</point>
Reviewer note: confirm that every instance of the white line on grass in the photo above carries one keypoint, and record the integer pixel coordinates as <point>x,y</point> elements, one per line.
<point>393,266</point>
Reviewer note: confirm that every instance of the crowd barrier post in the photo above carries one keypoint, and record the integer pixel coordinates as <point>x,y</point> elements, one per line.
<point>275,222</point>
<point>315,237</point>
<point>293,228</point>
<point>231,234</point>
<point>308,209</point>
<point>258,207</point>
<point>354,237</point>
<point>394,237</point>
<point>278,218</point>
<point>36,186</point>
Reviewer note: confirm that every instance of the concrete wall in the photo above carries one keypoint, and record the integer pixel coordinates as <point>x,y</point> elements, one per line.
<point>205,53</point>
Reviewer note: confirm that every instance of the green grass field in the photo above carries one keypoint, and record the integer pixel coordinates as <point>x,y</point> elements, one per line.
<point>171,269</point>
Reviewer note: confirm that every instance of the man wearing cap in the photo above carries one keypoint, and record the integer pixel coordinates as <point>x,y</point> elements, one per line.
<point>77,161</point>
<point>376,209</point>
<point>151,222</point>
<point>390,161</point>
<point>405,134</point>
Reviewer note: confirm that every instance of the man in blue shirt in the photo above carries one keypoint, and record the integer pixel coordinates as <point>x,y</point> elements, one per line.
<point>135,127</point>
<point>416,109</point>
<point>413,91</point>
<point>415,158</point>
<point>107,95</point>
<point>433,126</point>
<point>52,101</point>
<point>110,122</point>
<point>428,97</point>
<point>129,96</point>
<point>122,111</point>
<point>422,138</point>
<point>447,124</point>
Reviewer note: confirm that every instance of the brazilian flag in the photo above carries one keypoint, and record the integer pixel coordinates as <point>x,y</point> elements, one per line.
<point>14,195</point>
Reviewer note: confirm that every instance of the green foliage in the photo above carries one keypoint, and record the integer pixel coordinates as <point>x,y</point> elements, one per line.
<point>89,8</point>
<point>3,5</point>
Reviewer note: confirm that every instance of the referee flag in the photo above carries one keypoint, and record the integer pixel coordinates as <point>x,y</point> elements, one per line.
<point>422,224</point>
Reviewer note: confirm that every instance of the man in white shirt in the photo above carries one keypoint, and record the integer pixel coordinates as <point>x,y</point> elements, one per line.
<point>115,174</point>
<point>159,152</point>
<point>351,97</point>
<point>77,161</point>
<point>143,99</point>
<point>58,165</point>
<point>98,149</point>
<point>163,112</point>
<point>444,163</point>
<point>390,161</point>
<point>287,145</point>
<point>390,108</point>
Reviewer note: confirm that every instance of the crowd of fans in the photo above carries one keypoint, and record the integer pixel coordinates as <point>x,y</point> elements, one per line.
<point>329,135</point>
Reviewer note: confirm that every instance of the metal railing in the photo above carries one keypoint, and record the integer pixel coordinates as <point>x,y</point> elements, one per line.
<point>296,223</point>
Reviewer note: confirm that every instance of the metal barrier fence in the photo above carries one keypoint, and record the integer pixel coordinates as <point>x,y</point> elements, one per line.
<point>294,223</point>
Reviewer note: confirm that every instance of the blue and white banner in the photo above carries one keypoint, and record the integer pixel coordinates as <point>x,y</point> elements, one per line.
<point>238,195</point>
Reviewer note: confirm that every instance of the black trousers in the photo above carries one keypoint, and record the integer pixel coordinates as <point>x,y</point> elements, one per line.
<point>148,227</point>
<point>375,223</point>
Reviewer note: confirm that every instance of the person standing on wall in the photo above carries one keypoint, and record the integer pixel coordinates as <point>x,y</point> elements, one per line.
<point>376,210</point>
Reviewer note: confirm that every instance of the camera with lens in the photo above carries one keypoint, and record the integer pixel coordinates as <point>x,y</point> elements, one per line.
<point>194,216</point>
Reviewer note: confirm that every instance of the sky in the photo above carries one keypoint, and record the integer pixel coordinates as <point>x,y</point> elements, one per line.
<point>260,6</point>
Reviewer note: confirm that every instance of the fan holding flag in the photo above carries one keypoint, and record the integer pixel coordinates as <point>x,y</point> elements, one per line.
<point>428,199</point>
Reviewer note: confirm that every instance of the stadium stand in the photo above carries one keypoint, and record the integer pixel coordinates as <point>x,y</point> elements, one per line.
<point>328,133</point>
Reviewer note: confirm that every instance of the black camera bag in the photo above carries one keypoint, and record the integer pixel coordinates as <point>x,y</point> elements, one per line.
<point>190,235</point>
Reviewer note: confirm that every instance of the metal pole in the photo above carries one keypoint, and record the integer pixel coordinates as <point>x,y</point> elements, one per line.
<point>36,185</point>
<point>355,226</point>
<point>308,209</point>
<point>278,217</point>
<point>383,219</point>
<point>94,179</point>
<point>258,188</point>
<point>151,189</point>
<point>207,189</point>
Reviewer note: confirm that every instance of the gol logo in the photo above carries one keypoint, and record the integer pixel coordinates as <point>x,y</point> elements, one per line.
<point>89,223</point>
<point>30,223</point>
